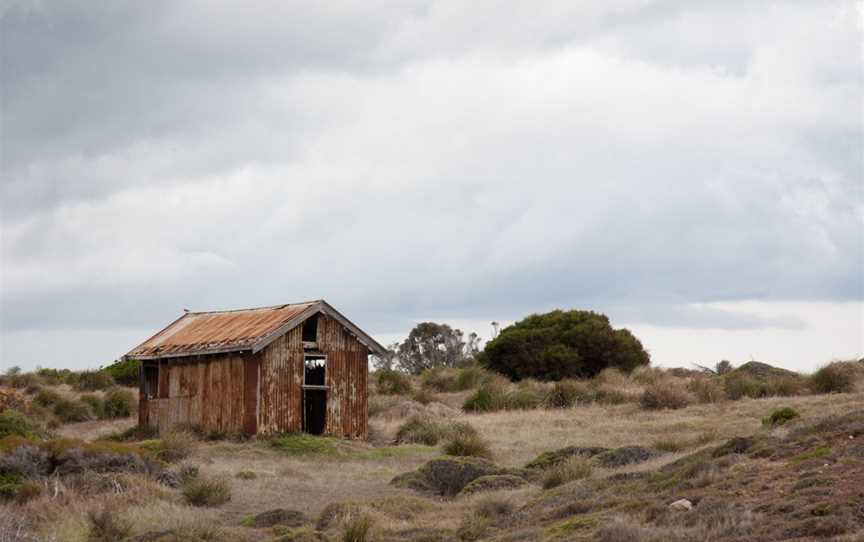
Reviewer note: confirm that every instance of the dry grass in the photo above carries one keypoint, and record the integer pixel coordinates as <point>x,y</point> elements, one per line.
<point>360,472</point>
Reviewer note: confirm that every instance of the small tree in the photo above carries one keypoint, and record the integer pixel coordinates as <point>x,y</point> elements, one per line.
<point>389,361</point>
<point>563,344</point>
<point>435,345</point>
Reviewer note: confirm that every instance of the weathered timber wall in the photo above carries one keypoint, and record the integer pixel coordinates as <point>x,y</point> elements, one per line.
<point>282,366</point>
<point>281,384</point>
<point>207,392</point>
<point>347,371</point>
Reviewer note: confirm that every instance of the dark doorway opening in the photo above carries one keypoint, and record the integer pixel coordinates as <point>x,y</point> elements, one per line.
<point>314,410</point>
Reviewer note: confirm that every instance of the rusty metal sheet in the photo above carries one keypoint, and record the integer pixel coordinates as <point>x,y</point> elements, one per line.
<point>205,332</point>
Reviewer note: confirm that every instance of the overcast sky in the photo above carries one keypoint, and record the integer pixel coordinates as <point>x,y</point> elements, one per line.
<point>693,169</point>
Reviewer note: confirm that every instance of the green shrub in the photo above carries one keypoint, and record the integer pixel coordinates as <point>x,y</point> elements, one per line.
<point>118,403</point>
<point>96,404</point>
<point>464,440</point>
<point>420,430</point>
<point>356,529</point>
<point>562,344</point>
<point>72,411</point>
<point>573,468</point>
<point>489,397</point>
<point>832,378</point>
<point>46,398</point>
<point>10,482</point>
<point>94,380</point>
<point>13,422</point>
<point>663,395</point>
<point>207,491</point>
<point>780,416</point>
<point>524,397</point>
<point>124,372</point>
<point>393,383</point>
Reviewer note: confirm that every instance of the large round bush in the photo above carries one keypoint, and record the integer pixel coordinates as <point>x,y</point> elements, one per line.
<point>563,344</point>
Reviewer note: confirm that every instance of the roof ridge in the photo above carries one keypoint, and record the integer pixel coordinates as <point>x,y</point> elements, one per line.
<point>280,306</point>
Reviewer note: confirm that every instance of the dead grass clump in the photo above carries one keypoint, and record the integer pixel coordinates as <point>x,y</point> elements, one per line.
<point>568,393</point>
<point>493,506</point>
<point>662,395</point>
<point>378,404</point>
<point>207,491</point>
<point>836,377</point>
<point>356,529</point>
<point>738,385</point>
<point>472,527</point>
<point>47,398</point>
<point>573,468</point>
<point>612,377</point>
<point>785,386</point>
<point>464,440</point>
<point>706,389</point>
<point>622,531</point>
<point>420,430</point>
<point>106,526</point>
<point>646,375</point>
<point>671,444</point>
<point>393,383</point>
<point>176,446</point>
<point>423,396</point>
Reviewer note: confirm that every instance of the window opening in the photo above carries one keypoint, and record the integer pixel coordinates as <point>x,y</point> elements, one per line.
<point>315,371</point>
<point>310,329</point>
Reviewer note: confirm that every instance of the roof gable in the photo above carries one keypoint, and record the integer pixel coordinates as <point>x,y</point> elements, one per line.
<point>197,333</point>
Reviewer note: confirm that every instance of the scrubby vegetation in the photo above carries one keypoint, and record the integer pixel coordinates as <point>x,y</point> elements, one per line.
<point>599,458</point>
<point>780,416</point>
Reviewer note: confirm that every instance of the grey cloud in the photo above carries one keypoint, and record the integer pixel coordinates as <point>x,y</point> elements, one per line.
<point>402,159</point>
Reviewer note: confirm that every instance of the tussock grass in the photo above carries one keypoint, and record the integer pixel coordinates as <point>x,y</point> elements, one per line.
<point>464,440</point>
<point>203,491</point>
<point>573,468</point>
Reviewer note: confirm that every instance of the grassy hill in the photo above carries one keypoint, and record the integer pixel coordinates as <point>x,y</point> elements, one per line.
<point>602,460</point>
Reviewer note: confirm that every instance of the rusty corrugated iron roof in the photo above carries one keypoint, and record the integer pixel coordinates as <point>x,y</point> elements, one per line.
<point>197,333</point>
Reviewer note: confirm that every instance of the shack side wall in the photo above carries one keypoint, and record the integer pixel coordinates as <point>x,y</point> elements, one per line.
<point>282,366</point>
<point>209,392</point>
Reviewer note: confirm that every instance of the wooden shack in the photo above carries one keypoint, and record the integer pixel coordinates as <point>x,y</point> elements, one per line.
<point>295,367</point>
